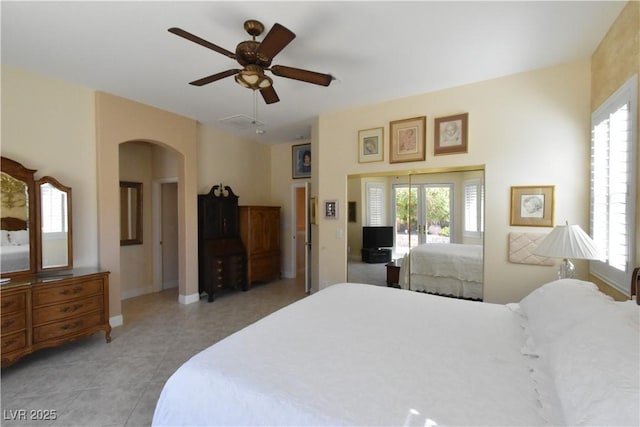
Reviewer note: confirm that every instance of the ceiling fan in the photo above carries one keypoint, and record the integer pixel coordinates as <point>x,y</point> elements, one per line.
<point>255,57</point>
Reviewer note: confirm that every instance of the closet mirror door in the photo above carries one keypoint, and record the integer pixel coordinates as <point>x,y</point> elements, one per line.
<point>18,248</point>
<point>54,225</point>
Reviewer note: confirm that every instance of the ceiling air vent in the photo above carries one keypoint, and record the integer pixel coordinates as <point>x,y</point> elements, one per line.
<point>241,122</point>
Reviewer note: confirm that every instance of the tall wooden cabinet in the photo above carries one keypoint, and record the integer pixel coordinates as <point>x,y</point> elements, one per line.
<point>222,260</point>
<point>260,233</point>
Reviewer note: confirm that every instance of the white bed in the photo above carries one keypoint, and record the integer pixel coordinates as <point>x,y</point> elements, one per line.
<point>365,355</point>
<point>444,269</point>
<point>14,252</point>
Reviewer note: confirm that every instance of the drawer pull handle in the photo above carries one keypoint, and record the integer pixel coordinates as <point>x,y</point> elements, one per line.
<point>7,304</point>
<point>8,323</point>
<point>8,343</point>
<point>73,325</point>
<point>72,291</point>
<point>69,309</point>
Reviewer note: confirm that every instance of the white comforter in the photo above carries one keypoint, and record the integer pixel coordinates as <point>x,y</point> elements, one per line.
<point>463,262</point>
<point>361,355</point>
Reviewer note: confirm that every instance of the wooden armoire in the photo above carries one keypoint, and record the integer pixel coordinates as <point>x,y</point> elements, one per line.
<point>222,259</point>
<point>260,233</point>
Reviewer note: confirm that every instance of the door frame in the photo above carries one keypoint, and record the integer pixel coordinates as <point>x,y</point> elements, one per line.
<point>294,231</point>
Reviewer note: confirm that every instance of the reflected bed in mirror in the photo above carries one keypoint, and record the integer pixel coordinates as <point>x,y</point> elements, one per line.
<point>428,209</point>
<point>130,213</point>
<point>17,250</point>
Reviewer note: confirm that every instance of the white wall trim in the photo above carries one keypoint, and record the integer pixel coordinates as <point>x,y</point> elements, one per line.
<point>188,299</point>
<point>116,321</point>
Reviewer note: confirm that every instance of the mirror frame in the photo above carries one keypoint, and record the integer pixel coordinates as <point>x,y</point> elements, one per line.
<point>137,218</point>
<point>54,182</point>
<point>19,172</point>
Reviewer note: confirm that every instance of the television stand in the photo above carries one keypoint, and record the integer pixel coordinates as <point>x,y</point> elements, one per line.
<point>376,255</point>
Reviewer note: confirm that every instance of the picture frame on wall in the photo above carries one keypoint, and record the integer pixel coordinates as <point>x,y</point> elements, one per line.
<point>451,134</point>
<point>532,206</point>
<point>371,145</point>
<point>313,211</point>
<point>301,161</point>
<point>351,212</point>
<point>331,209</point>
<point>407,140</point>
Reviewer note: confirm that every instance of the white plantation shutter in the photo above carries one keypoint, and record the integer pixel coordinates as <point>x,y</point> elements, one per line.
<point>53,209</point>
<point>473,208</point>
<point>613,177</point>
<point>375,204</point>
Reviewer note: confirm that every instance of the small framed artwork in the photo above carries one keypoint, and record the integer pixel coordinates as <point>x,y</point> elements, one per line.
<point>532,206</point>
<point>371,145</point>
<point>331,209</point>
<point>313,211</point>
<point>301,161</point>
<point>451,134</point>
<point>351,212</point>
<point>407,141</point>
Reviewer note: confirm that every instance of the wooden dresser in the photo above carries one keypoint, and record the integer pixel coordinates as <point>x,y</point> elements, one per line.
<point>260,233</point>
<point>42,311</point>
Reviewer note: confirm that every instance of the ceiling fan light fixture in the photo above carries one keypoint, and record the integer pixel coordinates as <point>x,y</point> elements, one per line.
<point>253,77</point>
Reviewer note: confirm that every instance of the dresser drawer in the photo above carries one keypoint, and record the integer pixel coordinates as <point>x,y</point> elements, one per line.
<point>13,341</point>
<point>66,292</point>
<point>13,322</point>
<point>66,309</point>
<point>13,303</point>
<point>66,327</point>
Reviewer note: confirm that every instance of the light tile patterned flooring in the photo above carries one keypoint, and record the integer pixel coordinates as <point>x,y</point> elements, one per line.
<point>92,383</point>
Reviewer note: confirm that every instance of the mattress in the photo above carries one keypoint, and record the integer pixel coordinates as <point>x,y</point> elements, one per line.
<point>356,354</point>
<point>14,258</point>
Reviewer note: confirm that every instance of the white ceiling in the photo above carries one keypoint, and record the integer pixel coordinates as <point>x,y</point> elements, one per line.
<point>376,50</point>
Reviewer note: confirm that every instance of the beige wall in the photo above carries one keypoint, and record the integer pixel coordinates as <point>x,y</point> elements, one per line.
<point>616,59</point>
<point>49,125</point>
<point>527,129</point>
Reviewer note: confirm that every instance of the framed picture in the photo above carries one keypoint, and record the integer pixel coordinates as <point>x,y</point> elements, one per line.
<point>451,134</point>
<point>331,209</point>
<point>407,140</point>
<point>532,206</point>
<point>313,211</point>
<point>301,161</point>
<point>371,145</point>
<point>352,212</point>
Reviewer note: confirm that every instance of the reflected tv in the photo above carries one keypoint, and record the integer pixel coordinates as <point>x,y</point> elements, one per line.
<point>377,237</point>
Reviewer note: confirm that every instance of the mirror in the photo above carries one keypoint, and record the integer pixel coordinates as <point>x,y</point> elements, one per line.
<point>18,249</point>
<point>440,212</point>
<point>130,213</point>
<point>54,225</point>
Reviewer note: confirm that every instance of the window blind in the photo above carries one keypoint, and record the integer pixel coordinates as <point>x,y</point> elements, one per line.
<point>375,204</point>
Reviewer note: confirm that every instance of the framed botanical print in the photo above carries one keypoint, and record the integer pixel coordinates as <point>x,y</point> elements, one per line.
<point>532,206</point>
<point>371,145</point>
<point>407,140</point>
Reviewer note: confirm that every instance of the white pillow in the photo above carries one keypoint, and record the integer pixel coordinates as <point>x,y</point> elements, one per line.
<point>555,307</point>
<point>5,238</point>
<point>19,237</point>
<point>596,368</point>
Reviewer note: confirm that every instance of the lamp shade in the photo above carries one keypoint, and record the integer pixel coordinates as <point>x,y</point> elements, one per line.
<point>568,241</point>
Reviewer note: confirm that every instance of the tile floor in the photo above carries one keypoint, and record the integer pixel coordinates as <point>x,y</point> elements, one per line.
<point>92,383</point>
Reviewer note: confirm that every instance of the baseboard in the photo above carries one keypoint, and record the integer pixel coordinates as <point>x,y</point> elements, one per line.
<point>188,299</point>
<point>116,321</point>
<point>130,293</point>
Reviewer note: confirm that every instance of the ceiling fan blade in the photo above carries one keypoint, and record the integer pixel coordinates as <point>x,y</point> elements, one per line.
<point>269,95</point>
<point>303,75</point>
<point>214,77</point>
<point>275,40</point>
<point>182,33</point>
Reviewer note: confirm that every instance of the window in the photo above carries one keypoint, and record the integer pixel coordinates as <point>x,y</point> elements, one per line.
<point>613,178</point>
<point>473,208</point>
<point>375,204</point>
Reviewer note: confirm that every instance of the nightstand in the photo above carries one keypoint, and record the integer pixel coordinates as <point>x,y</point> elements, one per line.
<point>393,273</point>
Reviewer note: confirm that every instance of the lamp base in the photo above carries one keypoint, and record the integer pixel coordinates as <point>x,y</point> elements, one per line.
<point>566,270</point>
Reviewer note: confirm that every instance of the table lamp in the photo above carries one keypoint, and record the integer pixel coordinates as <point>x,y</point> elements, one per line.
<point>568,241</point>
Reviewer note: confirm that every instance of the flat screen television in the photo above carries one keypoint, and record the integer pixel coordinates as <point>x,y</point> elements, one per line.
<point>377,237</point>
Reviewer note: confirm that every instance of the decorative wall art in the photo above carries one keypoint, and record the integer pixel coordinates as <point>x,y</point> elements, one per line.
<point>371,145</point>
<point>352,212</point>
<point>451,134</point>
<point>532,206</point>
<point>331,209</point>
<point>407,140</point>
<point>313,211</point>
<point>301,161</point>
